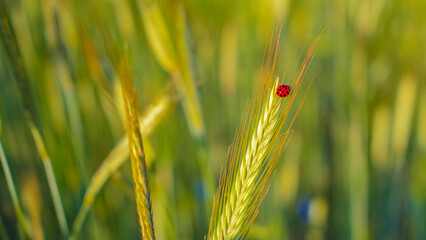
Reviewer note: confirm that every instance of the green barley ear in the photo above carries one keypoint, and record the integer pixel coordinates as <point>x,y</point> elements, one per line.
<point>254,152</point>
<point>137,155</point>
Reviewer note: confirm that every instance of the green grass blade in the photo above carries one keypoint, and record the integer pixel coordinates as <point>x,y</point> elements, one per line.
<point>12,191</point>
<point>51,180</point>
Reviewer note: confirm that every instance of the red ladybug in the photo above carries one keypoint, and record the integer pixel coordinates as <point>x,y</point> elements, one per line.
<point>283,90</point>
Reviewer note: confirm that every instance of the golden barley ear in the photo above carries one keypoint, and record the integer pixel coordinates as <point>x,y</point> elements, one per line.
<point>254,152</point>
<point>137,155</point>
<point>154,115</point>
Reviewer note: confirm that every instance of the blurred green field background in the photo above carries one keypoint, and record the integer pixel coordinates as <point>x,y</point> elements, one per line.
<point>355,167</point>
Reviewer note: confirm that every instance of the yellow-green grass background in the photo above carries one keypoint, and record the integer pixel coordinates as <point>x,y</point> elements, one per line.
<point>356,161</point>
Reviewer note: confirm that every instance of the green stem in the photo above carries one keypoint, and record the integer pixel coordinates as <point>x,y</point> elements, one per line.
<point>54,191</point>
<point>51,179</point>
<point>12,190</point>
